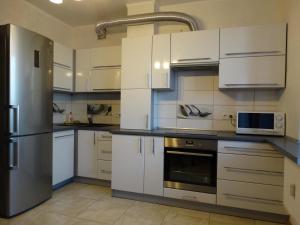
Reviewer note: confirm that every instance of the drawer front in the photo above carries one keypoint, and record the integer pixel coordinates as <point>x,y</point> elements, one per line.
<point>248,148</point>
<point>104,150</point>
<point>256,169</point>
<point>63,133</point>
<point>104,170</point>
<point>104,135</point>
<point>190,195</point>
<point>259,197</point>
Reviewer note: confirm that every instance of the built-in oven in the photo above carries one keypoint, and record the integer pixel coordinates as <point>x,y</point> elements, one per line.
<point>190,164</point>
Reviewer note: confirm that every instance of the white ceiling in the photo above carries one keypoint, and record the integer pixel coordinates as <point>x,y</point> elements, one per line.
<point>84,12</point>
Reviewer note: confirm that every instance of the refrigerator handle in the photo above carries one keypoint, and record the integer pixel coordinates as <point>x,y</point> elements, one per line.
<point>13,160</point>
<point>14,119</point>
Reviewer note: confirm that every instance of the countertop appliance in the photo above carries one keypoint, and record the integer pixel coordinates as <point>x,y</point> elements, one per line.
<point>26,65</point>
<point>261,123</point>
<point>191,164</point>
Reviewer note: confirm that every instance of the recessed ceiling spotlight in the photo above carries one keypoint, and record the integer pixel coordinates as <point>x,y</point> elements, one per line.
<point>57,1</point>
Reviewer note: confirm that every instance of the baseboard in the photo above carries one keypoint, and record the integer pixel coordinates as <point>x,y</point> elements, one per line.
<point>84,180</point>
<point>62,184</point>
<point>271,217</point>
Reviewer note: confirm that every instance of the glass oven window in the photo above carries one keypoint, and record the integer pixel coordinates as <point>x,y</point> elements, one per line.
<point>192,166</point>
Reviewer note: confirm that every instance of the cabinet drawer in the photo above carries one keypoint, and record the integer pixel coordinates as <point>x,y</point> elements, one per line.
<point>248,148</point>
<point>259,197</point>
<point>252,72</point>
<point>256,169</point>
<point>104,135</point>
<point>190,195</point>
<point>104,150</point>
<point>104,170</point>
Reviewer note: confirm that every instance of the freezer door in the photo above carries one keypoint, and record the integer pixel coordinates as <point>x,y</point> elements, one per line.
<point>30,82</point>
<point>29,172</point>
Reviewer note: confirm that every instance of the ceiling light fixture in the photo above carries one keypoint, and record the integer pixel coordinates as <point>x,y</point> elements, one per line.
<point>57,1</point>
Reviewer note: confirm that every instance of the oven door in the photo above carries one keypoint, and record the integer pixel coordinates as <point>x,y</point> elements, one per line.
<point>190,169</point>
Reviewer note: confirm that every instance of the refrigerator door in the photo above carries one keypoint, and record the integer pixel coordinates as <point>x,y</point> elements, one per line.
<point>30,82</point>
<point>28,173</point>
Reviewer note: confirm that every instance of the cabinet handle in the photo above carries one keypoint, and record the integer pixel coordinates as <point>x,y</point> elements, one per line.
<point>254,171</point>
<point>250,150</point>
<point>254,84</point>
<point>153,146</point>
<point>293,190</point>
<point>62,89</point>
<point>106,152</point>
<point>190,198</point>
<point>263,200</point>
<point>140,143</point>
<point>251,53</point>
<point>62,66</point>
<point>106,171</point>
<point>106,67</point>
<point>106,136</point>
<point>14,119</point>
<point>191,154</point>
<point>68,135</point>
<point>13,154</point>
<point>94,138</point>
<point>147,121</point>
<point>193,59</point>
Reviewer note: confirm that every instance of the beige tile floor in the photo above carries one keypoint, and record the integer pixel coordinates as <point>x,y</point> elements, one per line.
<point>82,204</point>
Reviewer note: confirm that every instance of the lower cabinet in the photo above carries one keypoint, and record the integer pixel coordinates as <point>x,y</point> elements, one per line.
<point>63,156</point>
<point>250,176</point>
<point>137,164</point>
<point>94,154</point>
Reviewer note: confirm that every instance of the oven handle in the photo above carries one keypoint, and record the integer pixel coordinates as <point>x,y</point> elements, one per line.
<point>190,153</point>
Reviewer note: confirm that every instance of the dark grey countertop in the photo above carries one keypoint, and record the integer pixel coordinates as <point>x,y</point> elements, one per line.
<point>287,146</point>
<point>57,128</point>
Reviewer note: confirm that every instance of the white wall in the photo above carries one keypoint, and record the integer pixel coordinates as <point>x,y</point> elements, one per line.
<point>20,12</point>
<point>290,100</point>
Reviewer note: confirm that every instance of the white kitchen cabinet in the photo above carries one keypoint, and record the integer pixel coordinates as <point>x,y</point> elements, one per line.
<point>252,72</point>
<point>83,70</point>
<point>87,154</point>
<point>63,156</point>
<point>104,149</point>
<point>253,41</point>
<point>136,62</point>
<point>62,78</point>
<point>63,55</point>
<point>195,47</point>
<point>161,58</point>
<point>106,56</point>
<point>136,109</point>
<point>128,163</point>
<point>106,78</point>
<point>154,166</point>
<point>292,190</point>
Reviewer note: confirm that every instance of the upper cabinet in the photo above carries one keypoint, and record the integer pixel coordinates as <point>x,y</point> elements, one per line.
<point>62,68</point>
<point>136,63</point>
<point>98,69</point>
<point>197,47</point>
<point>253,41</point>
<point>253,57</point>
<point>161,58</point>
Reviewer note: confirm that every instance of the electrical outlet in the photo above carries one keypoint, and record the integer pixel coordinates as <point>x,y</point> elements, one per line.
<point>228,116</point>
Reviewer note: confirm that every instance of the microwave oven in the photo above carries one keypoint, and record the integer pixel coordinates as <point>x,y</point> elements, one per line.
<point>261,123</point>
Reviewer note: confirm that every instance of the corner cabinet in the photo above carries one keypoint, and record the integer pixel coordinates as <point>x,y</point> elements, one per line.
<point>136,63</point>
<point>253,57</point>
<point>196,47</point>
<point>142,171</point>
<point>63,156</point>
<point>62,68</point>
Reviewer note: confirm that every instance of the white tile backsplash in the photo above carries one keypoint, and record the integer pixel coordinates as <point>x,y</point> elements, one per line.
<point>202,89</point>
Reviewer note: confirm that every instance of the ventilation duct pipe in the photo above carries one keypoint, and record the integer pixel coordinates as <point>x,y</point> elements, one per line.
<point>145,19</point>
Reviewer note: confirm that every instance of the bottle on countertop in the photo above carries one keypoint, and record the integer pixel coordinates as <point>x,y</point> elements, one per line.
<point>69,118</point>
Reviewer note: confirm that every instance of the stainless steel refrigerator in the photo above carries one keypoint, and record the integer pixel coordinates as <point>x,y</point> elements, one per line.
<point>26,65</point>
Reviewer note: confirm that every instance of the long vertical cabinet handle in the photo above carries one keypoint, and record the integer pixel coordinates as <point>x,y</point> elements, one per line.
<point>13,154</point>
<point>94,138</point>
<point>14,119</point>
<point>153,147</point>
<point>140,143</point>
<point>147,121</point>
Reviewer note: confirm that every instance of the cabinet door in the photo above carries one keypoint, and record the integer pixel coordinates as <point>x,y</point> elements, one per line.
<point>128,163</point>
<point>62,78</point>
<point>105,79</point>
<point>136,62</point>
<point>161,61</point>
<point>154,166</point>
<point>195,47</point>
<point>136,109</point>
<point>253,41</point>
<point>252,72</point>
<point>63,55</point>
<point>83,69</point>
<point>63,156</point>
<point>87,154</point>
<point>106,56</point>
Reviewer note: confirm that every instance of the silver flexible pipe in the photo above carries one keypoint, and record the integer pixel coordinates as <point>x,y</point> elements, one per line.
<point>146,18</point>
